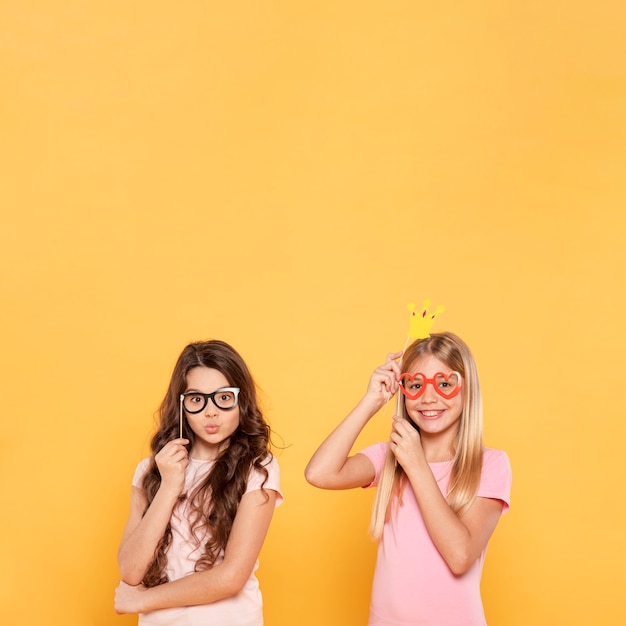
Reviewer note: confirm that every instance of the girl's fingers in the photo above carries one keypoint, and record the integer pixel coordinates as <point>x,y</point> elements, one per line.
<point>392,363</point>
<point>384,379</point>
<point>384,382</point>
<point>180,441</point>
<point>390,370</point>
<point>174,459</point>
<point>176,443</point>
<point>173,452</point>
<point>393,356</point>
<point>401,425</point>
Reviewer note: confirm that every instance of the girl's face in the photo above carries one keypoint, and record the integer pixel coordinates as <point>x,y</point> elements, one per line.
<point>212,426</point>
<point>431,411</point>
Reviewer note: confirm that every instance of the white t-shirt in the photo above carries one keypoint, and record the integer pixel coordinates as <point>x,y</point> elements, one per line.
<point>243,609</point>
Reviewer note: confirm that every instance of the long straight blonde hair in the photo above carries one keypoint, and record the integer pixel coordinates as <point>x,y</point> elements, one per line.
<point>468,448</point>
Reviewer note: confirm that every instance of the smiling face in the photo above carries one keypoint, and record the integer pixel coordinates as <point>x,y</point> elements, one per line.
<point>212,426</point>
<point>432,412</point>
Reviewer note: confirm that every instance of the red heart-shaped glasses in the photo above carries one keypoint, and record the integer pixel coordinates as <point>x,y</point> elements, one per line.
<point>446,385</point>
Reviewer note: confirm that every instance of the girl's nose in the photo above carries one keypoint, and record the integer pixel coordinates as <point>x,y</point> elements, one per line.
<point>430,395</point>
<point>210,409</point>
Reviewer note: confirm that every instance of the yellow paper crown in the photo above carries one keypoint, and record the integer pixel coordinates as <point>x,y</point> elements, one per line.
<point>420,324</point>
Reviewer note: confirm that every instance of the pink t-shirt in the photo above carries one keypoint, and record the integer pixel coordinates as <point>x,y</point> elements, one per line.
<point>413,585</point>
<point>243,609</point>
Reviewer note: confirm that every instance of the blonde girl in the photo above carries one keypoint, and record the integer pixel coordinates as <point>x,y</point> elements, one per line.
<point>440,491</point>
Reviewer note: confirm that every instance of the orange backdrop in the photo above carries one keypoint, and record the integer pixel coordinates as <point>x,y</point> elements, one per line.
<point>287,176</point>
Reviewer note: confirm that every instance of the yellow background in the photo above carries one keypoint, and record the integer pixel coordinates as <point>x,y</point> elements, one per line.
<point>287,176</point>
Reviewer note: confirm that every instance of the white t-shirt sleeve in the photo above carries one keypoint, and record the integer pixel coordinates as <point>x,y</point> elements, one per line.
<point>140,472</point>
<point>256,478</point>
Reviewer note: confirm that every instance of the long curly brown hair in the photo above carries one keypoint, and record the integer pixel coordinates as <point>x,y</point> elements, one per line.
<point>214,503</point>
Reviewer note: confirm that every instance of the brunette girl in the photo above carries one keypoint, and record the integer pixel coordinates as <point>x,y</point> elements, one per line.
<point>202,503</point>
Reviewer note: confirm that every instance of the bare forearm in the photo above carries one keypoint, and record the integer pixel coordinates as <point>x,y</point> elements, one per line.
<point>205,587</point>
<point>450,536</point>
<point>137,550</point>
<point>460,540</point>
<point>221,581</point>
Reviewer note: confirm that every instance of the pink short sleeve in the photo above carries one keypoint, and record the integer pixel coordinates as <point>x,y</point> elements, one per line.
<point>376,453</point>
<point>496,477</point>
<point>256,478</point>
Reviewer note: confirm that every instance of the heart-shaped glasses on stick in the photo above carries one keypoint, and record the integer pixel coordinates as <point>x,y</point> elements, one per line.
<point>446,385</point>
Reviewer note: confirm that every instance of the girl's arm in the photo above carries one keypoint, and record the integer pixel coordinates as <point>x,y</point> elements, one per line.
<point>331,467</point>
<point>146,524</point>
<point>460,541</point>
<point>221,581</point>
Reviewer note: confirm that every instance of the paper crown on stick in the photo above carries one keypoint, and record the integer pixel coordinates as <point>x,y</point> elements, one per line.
<point>421,323</point>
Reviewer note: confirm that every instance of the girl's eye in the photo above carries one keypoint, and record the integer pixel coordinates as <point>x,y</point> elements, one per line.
<point>195,399</point>
<point>415,386</point>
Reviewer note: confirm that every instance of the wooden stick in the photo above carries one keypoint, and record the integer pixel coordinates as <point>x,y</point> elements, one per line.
<point>180,417</point>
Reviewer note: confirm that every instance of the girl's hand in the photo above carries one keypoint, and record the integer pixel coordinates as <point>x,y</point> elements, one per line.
<point>384,380</point>
<point>406,443</point>
<point>128,598</point>
<point>172,460</point>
